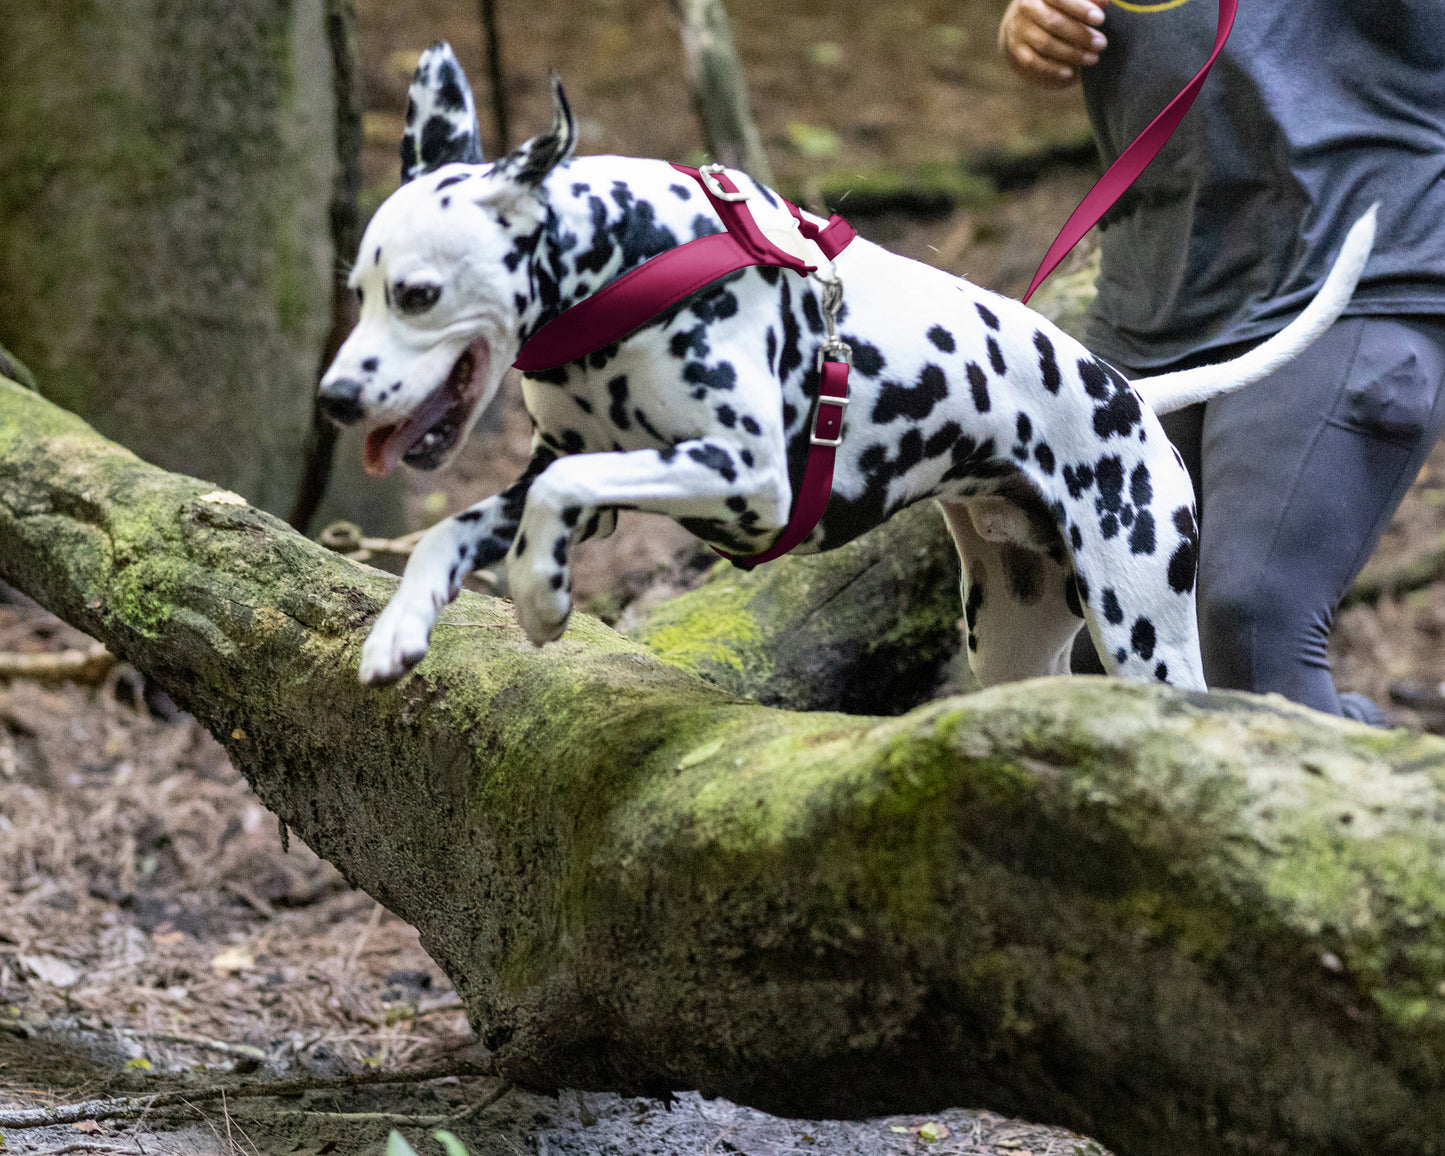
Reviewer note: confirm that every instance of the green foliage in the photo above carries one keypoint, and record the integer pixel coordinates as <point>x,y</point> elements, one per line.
<point>396,1144</point>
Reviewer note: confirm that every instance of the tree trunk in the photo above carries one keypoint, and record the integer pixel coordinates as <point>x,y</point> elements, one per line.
<point>1182,923</point>
<point>719,88</point>
<point>165,257</point>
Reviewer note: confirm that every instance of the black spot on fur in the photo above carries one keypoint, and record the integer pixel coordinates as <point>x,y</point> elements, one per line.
<point>521,544</point>
<point>792,355</point>
<point>978,383</point>
<point>570,516</point>
<point>1048,367</point>
<point>988,316</point>
<point>1141,537</point>
<point>1096,381</point>
<point>559,550</point>
<point>690,343</point>
<point>1045,457</point>
<point>971,608</point>
<point>1161,673</point>
<point>939,442</point>
<point>1184,562</point>
<point>915,403</point>
<point>726,416</point>
<point>1078,479</point>
<point>751,426</point>
<point>867,358</point>
<point>811,313</point>
<point>1118,416</point>
<point>681,192</point>
<point>995,357</point>
<point>772,348</point>
<point>716,459</point>
<point>454,179</point>
<point>1113,612</point>
<point>942,338</point>
<point>720,376</point>
<point>1142,639</point>
<point>449,93</point>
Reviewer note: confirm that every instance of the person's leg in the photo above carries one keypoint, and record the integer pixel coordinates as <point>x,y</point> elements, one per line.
<point>1301,473</point>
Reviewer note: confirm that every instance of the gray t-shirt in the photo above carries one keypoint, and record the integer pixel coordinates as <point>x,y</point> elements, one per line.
<point>1314,109</point>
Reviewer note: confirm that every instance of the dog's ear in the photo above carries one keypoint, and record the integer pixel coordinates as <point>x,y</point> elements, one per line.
<point>528,164</point>
<point>441,117</point>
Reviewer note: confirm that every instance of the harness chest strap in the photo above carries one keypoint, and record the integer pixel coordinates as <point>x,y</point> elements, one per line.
<point>626,304</point>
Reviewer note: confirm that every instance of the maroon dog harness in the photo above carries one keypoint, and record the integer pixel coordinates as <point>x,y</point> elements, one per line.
<point>625,305</point>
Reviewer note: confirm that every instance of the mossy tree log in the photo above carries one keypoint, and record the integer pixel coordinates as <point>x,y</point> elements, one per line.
<point>1181,923</point>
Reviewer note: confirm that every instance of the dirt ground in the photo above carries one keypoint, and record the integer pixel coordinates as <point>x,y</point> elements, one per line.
<point>155,929</point>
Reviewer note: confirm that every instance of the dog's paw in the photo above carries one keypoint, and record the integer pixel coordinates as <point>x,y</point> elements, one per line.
<point>396,643</point>
<point>543,603</point>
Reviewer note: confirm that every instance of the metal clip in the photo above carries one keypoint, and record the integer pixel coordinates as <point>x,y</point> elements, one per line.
<point>709,175</point>
<point>834,348</point>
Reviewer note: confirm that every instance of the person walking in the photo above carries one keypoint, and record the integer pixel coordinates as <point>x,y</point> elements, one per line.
<point>1314,110</point>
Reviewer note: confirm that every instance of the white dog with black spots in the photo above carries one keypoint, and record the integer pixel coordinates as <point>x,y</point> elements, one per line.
<point>1067,502</point>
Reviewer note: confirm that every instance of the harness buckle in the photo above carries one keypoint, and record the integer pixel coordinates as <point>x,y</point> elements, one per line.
<point>816,438</point>
<point>708,174</point>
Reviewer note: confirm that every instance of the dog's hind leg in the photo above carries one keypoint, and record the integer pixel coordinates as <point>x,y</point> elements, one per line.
<point>1020,610</point>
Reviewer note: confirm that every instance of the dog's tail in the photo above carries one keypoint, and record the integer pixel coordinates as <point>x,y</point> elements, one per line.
<point>1171,391</point>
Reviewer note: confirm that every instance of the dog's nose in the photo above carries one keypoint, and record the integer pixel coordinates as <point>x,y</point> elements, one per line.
<point>340,400</point>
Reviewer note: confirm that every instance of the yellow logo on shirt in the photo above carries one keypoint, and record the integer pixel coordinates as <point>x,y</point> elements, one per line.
<point>1162,6</point>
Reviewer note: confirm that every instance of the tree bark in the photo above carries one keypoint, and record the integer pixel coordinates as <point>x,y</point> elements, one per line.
<point>165,260</point>
<point>719,88</point>
<point>1177,922</point>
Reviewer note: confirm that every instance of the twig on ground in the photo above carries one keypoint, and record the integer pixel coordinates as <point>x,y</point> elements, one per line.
<point>127,1106</point>
<point>89,666</point>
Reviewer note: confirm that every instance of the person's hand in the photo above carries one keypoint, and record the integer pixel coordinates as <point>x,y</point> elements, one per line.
<point>1048,41</point>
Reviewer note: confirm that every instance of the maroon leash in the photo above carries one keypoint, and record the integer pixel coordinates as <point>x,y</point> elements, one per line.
<point>625,305</point>
<point>1134,159</point>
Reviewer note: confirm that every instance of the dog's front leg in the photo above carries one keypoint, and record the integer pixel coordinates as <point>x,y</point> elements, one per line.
<point>449,551</point>
<point>698,479</point>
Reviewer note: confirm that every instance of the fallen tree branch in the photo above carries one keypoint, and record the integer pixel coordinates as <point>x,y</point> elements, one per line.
<point>129,1107</point>
<point>1177,922</point>
<point>89,665</point>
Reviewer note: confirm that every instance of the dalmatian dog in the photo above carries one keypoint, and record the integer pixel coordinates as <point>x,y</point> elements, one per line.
<point>1066,500</point>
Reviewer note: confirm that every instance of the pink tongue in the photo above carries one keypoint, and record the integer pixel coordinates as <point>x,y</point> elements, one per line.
<point>375,460</point>
<point>386,444</point>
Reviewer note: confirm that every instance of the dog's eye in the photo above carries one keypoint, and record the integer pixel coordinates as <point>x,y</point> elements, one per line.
<point>417,298</point>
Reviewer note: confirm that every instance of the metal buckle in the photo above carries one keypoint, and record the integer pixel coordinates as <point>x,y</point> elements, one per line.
<point>841,403</point>
<point>709,175</point>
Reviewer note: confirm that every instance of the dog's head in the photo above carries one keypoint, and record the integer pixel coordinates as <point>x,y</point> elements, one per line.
<point>438,277</point>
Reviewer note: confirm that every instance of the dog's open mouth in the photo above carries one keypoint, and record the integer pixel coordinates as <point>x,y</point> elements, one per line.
<point>428,435</point>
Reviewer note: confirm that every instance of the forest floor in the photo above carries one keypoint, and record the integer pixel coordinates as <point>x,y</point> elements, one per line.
<point>156,931</point>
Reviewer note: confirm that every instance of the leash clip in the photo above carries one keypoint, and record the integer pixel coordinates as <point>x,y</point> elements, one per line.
<point>834,348</point>
<point>708,174</point>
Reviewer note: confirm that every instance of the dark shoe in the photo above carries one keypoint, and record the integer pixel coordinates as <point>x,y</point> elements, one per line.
<point>1358,708</point>
<point>1430,697</point>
